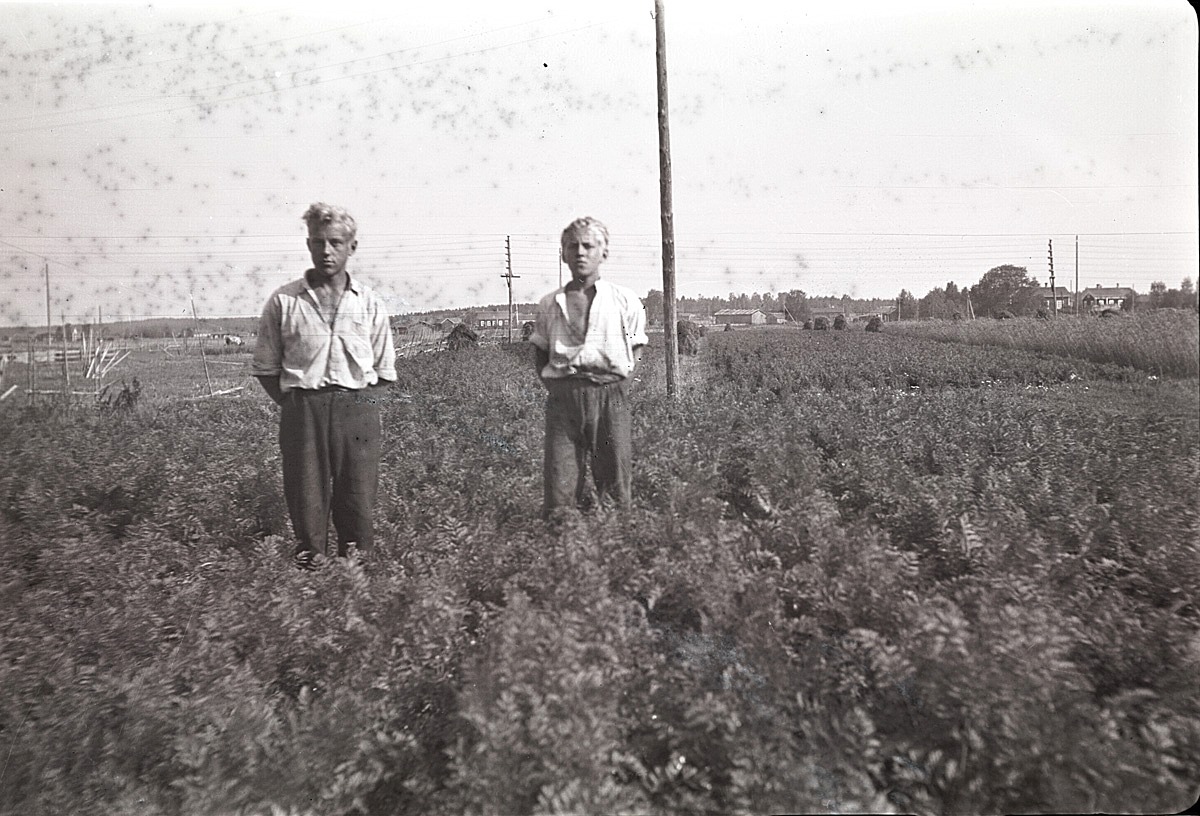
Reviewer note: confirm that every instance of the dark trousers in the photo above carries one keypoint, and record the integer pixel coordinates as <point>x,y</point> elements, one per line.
<point>330,442</point>
<point>586,424</point>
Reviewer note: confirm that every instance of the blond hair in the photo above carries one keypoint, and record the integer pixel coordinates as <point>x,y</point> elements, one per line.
<point>321,214</point>
<point>585,225</point>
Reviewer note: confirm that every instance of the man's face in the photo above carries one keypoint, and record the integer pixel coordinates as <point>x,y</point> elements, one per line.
<point>330,246</point>
<point>583,251</point>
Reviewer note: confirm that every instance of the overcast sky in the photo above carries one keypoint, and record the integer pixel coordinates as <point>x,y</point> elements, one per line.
<point>150,154</point>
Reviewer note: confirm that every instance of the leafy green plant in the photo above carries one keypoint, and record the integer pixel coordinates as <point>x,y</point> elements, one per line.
<point>864,572</point>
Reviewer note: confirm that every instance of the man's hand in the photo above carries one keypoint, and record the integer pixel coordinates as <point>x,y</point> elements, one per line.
<point>271,386</point>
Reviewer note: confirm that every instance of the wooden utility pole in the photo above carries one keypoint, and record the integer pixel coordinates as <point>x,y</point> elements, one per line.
<point>66,362</point>
<point>670,321</point>
<point>508,276</point>
<point>1053,291</point>
<point>1077,276</point>
<point>49,330</point>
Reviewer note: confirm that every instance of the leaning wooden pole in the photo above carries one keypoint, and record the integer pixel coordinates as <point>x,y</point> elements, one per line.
<point>203,358</point>
<point>670,320</point>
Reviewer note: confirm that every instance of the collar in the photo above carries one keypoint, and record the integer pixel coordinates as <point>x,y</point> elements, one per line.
<point>351,284</point>
<point>600,285</point>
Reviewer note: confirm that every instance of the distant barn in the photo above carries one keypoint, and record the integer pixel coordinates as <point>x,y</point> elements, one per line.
<point>744,317</point>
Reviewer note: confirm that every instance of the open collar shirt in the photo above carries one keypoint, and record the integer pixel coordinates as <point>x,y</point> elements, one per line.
<point>353,348</point>
<point>616,326</point>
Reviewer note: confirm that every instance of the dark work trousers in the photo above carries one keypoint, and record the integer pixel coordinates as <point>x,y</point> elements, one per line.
<point>587,423</point>
<point>330,441</point>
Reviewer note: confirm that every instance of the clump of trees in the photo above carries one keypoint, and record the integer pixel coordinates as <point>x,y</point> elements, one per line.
<point>944,303</point>
<point>1182,298</point>
<point>1006,288</point>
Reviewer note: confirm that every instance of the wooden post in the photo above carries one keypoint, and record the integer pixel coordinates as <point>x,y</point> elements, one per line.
<point>670,321</point>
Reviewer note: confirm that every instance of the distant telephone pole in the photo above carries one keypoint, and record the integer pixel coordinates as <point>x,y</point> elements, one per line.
<point>508,276</point>
<point>66,361</point>
<point>1077,276</point>
<point>49,330</point>
<point>1053,291</point>
<point>670,333</point>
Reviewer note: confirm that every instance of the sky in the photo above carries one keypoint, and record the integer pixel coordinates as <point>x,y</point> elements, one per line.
<point>157,158</point>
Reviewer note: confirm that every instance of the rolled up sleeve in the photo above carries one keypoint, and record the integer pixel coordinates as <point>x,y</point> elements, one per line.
<point>541,327</point>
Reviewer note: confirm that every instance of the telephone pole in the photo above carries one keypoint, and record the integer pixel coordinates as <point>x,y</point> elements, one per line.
<point>1053,291</point>
<point>66,361</point>
<point>508,276</point>
<point>1077,276</point>
<point>670,330</point>
<point>49,330</point>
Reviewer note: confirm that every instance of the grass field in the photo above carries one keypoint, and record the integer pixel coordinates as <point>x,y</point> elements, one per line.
<point>973,590</point>
<point>1162,342</point>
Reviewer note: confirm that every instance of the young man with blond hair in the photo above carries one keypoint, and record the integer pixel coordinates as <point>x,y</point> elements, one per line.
<point>324,342</point>
<point>589,336</point>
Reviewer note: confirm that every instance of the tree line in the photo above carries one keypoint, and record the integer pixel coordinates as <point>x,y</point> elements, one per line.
<point>1003,291</point>
<point>795,305</point>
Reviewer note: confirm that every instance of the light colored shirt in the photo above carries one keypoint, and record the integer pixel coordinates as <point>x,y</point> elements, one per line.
<point>297,343</point>
<point>616,326</point>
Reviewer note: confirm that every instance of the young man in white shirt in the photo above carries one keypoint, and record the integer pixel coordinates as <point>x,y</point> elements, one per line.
<point>589,336</point>
<point>324,342</point>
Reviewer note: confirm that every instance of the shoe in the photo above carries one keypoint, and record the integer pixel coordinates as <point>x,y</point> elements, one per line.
<point>305,560</point>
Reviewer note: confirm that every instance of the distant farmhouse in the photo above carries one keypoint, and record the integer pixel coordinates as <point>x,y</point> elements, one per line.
<point>1099,298</point>
<point>492,320</point>
<point>1060,299</point>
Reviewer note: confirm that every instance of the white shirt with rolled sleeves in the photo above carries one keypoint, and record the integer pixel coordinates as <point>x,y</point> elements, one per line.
<point>298,345</point>
<point>616,325</point>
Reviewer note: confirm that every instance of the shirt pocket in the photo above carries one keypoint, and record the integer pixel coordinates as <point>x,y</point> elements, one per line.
<point>303,337</point>
<point>357,343</point>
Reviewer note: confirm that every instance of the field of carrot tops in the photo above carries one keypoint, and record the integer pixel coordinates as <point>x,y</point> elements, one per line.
<point>864,572</point>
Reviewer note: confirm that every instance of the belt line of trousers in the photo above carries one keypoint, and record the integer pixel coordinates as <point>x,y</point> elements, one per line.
<point>330,444</point>
<point>587,423</point>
